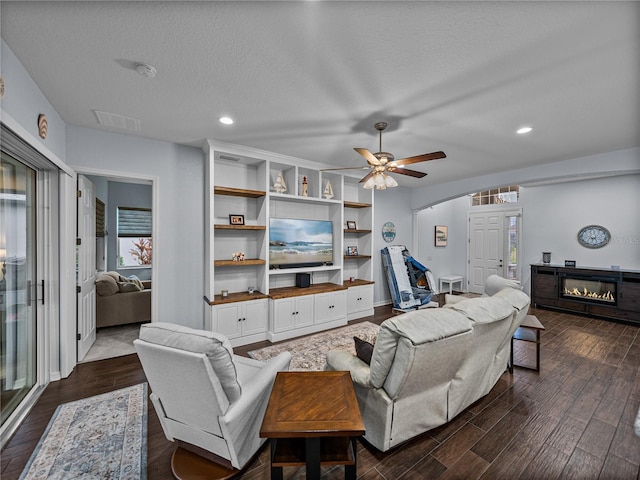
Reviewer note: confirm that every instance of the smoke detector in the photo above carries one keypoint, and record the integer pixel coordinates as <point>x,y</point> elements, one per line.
<point>146,70</point>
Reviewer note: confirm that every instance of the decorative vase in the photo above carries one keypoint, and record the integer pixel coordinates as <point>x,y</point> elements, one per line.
<point>546,257</point>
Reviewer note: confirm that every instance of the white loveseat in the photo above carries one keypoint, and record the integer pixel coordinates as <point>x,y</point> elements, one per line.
<point>429,365</point>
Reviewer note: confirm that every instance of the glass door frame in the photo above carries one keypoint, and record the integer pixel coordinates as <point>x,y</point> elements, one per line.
<point>47,290</point>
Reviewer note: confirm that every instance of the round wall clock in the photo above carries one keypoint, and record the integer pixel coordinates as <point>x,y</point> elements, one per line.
<point>389,232</point>
<point>594,236</point>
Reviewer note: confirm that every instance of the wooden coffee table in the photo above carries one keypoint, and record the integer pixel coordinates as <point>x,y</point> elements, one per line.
<point>312,419</point>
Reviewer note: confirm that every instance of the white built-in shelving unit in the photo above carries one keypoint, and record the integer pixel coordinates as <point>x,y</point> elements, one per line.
<point>239,181</point>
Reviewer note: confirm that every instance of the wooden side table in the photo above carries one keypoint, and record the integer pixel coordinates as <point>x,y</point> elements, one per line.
<point>312,419</point>
<point>529,331</point>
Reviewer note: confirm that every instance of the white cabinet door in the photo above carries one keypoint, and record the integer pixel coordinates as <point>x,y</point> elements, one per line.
<point>283,314</point>
<point>304,310</point>
<point>330,306</point>
<point>360,299</point>
<point>255,318</point>
<point>227,320</point>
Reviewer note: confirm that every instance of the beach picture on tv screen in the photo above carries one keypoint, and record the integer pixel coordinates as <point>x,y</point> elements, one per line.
<point>300,242</point>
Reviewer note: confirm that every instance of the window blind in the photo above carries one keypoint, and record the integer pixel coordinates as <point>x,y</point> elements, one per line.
<point>134,222</point>
<point>99,218</point>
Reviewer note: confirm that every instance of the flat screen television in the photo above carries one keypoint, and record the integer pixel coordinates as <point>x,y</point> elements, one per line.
<point>295,242</point>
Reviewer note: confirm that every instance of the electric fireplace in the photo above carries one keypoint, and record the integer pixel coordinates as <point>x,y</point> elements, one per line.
<point>589,289</point>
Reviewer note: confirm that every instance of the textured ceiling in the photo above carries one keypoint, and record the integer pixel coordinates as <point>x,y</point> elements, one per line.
<point>309,79</point>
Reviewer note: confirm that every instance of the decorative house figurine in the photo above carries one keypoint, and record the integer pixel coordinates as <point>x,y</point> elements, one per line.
<point>328,190</point>
<point>280,186</point>
<point>305,187</point>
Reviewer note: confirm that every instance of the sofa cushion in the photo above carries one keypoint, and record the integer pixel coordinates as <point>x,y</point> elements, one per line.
<point>484,309</point>
<point>517,298</point>
<point>420,326</point>
<point>215,346</point>
<point>106,285</point>
<point>494,283</point>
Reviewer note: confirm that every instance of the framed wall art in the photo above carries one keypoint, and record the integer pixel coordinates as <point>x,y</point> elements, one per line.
<point>441,235</point>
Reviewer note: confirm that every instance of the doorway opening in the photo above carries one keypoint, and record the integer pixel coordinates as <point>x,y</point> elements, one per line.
<point>123,294</point>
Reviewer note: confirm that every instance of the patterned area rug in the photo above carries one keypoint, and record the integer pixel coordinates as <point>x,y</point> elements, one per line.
<point>104,436</point>
<point>308,353</point>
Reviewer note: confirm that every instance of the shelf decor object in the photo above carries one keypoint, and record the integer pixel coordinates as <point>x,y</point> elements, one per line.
<point>351,225</point>
<point>280,186</point>
<point>546,257</point>
<point>352,251</point>
<point>236,219</point>
<point>305,187</point>
<point>441,235</point>
<point>328,191</point>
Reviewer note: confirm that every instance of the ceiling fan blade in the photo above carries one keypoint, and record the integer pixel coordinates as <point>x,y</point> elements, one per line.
<point>419,158</point>
<point>362,167</point>
<point>368,156</point>
<point>366,177</point>
<point>406,171</point>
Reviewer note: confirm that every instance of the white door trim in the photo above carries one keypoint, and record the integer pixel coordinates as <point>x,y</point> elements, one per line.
<point>70,340</point>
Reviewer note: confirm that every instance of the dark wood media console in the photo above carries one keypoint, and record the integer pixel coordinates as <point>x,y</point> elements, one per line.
<point>566,289</point>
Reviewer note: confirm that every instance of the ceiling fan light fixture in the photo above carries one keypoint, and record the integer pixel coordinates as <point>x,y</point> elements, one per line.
<point>379,179</point>
<point>369,184</point>
<point>390,182</point>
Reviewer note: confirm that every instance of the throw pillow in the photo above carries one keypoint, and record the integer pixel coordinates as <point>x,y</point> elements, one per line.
<point>128,287</point>
<point>106,285</point>
<point>364,349</point>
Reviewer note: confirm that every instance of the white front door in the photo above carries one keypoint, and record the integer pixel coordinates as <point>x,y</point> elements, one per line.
<point>86,265</point>
<point>486,248</point>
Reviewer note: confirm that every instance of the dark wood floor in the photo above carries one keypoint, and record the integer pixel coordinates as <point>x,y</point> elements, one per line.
<point>574,419</point>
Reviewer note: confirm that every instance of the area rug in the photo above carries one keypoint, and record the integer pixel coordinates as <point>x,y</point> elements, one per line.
<point>99,437</point>
<point>308,353</point>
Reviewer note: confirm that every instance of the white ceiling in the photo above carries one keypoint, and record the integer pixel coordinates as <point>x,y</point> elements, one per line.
<point>309,79</point>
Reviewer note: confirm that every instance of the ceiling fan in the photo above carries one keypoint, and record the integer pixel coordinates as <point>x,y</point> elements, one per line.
<point>381,163</point>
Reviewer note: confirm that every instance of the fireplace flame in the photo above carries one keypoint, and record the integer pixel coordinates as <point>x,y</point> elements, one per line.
<point>584,293</point>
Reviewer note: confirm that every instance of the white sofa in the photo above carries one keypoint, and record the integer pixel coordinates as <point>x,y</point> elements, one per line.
<point>429,365</point>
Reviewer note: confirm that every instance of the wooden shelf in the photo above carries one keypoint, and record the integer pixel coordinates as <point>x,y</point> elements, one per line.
<point>354,230</point>
<point>240,263</point>
<point>357,282</point>
<point>356,257</point>
<point>333,451</point>
<point>235,297</point>
<point>238,192</point>
<point>356,205</point>
<point>285,292</point>
<point>219,226</point>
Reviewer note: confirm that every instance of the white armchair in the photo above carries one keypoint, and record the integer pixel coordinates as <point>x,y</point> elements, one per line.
<point>209,401</point>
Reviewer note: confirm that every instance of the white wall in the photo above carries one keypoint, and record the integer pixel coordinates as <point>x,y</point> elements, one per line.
<point>551,217</point>
<point>553,214</point>
<point>390,205</point>
<point>179,248</point>
<point>24,101</point>
<point>449,260</point>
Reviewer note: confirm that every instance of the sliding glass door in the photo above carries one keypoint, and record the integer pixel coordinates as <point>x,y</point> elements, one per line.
<point>18,287</point>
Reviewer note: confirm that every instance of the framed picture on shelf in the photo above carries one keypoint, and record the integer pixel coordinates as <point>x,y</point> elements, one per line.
<point>236,219</point>
<point>352,251</point>
<point>351,225</point>
<point>441,235</point>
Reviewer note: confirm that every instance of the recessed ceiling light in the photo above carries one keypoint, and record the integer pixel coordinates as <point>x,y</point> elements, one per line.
<point>523,130</point>
<point>226,120</point>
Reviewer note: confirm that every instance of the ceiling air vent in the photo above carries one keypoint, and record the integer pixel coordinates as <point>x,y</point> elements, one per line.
<point>113,120</point>
<point>229,158</point>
